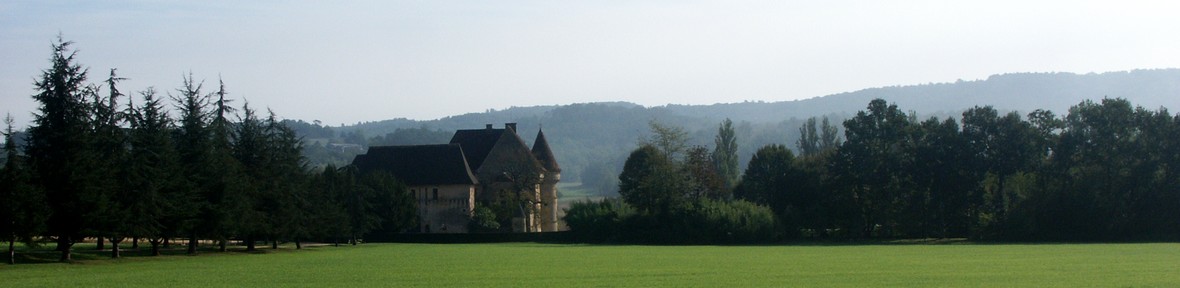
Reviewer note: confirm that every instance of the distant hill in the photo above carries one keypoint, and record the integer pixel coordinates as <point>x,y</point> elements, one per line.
<point>1009,92</point>
<point>597,136</point>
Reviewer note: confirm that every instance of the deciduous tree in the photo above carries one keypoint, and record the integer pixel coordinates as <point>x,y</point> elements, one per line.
<point>652,183</point>
<point>725,155</point>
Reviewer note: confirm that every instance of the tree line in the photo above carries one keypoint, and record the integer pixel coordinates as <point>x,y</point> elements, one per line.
<point>94,166</point>
<point>673,192</point>
<point>1106,171</point>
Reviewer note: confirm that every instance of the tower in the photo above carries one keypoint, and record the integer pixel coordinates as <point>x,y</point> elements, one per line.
<point>548,218</point>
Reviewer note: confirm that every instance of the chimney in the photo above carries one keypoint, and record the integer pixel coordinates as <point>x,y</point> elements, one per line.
<point>489,127</point>
<point>510,126</point>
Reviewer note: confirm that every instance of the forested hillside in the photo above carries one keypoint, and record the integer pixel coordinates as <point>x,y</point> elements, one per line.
<point>591,139</point>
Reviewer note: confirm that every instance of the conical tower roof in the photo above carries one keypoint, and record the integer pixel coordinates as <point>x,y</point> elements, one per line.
<point>543,154</point>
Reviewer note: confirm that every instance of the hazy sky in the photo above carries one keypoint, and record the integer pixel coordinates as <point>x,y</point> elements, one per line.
<point>375,60</point>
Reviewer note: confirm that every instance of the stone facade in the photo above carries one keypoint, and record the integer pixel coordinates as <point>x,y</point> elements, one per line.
<point>444,208</point>
<point>475,167</point>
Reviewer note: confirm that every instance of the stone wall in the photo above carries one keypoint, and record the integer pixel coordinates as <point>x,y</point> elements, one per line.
<point>444,208</point>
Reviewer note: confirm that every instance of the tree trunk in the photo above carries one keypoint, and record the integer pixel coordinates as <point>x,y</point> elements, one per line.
<point>155,246</point>
<point>167,244</point>
<point>115,248</point>
<point>274,244</point>
<point>65,244</point>
<point>192,244</point>
<point>298,245</point>
<point>221,244</point>
<point>135,242</point>
<point>250,243</point>
<point>100,244</point>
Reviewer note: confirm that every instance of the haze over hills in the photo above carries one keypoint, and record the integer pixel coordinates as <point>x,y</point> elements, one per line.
<point>1007,92</point>
<point>1017,91</point>
<point>593,138</point>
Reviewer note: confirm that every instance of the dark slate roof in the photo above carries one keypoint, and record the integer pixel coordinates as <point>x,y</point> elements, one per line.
<point>440,164</point>
<point>511,149</point>
<point>543,154</point>
<point>477,143</point>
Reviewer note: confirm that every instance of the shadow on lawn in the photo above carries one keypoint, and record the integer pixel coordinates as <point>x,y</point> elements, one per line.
<point>87,252</point>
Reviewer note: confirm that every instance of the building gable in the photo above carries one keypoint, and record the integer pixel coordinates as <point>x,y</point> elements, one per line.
<point>477,143</point>
<point>509,155</point>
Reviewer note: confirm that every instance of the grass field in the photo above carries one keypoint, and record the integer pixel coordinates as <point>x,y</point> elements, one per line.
<point>551,265</point>
<point>574,191</point>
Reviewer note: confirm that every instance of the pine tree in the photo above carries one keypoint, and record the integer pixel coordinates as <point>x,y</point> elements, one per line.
<point>329,216</point>
<point>58,146</point>
<point>288,175</point>
<point>224,195</point>
<point>22,205</point>
<point>193,147</point>
<point>358,208</point>
<point>250,150</point>
<point>109,148</point>
<point>390,206</point>
<point>156,205</point>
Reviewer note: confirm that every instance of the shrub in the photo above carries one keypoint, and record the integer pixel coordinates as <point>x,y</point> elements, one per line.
<point>483,220</point>
<point>731,222</point>
<point>706,222</point>
<point>598,221</point>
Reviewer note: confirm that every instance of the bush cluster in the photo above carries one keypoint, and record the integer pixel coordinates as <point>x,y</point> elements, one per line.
<point>705,222</point>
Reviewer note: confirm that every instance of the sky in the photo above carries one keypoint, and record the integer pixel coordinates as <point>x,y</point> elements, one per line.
<point>343,62</point>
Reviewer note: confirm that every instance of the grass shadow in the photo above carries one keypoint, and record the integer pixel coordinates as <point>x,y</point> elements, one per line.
<point>87,252</point>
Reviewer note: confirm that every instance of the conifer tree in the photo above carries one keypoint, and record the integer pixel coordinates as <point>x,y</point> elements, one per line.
<point>250,151</point>
<point>223,192</point>
<point>22,205</point>
<point>58,146</point>
<point>192,146</point>
<point>288,182</point>
<point>326,201</point>
<point>390,206</point>
<point>358,208</point>
<point>109,149</point>
<point>156,206</point>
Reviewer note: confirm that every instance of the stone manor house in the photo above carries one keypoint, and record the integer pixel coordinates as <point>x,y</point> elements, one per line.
<point>449,179</point>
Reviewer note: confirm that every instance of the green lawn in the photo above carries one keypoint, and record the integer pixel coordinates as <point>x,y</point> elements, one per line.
<point>549,265</point>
